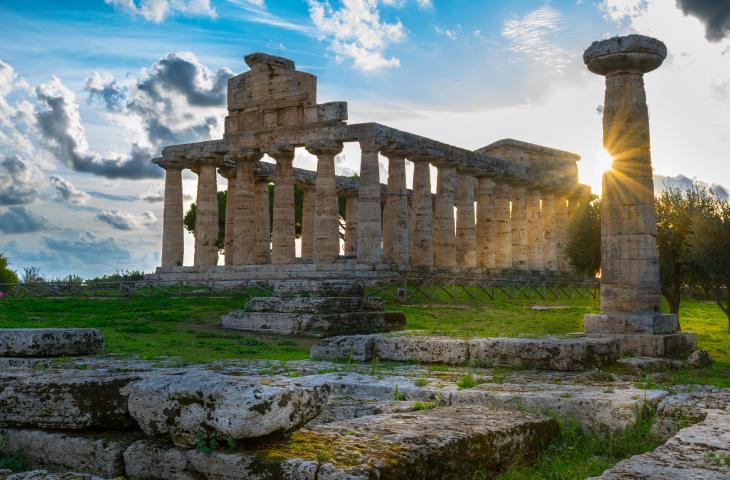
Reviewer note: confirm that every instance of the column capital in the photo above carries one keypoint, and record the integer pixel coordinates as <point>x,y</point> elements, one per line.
<point>421,157</point>
<point>227,172</point>
<point>245,155</point>
<point>372,144</point>
<point>395,152</point>
<point>324,147</point>
<point>205,158</point>
<point>635,54</point>
<point>170,162</point>
<point>280,151</point>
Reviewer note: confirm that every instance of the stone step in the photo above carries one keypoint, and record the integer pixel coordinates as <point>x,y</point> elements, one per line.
<point>313,324</point>
<point>46,475</point>
<point>318,288</point>
<point>91,453</point>
<point>205,404</point>
<point>442,443</point>
<point>314,304</point>
<point>675,345</point>
<point>49,342</point>
<point>547,353</point>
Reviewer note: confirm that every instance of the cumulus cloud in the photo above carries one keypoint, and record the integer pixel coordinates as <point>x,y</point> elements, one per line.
<point>19,181</point>
<point>103,87</point>
<point>125,220</point>
<point>21,220</point>
<point>683,182</point>
<point>356,31</point>
<point>535,36</point>
<point>715,14</point>
<point>67,192</point>
<point>157,10</point>
<point>16,116</point>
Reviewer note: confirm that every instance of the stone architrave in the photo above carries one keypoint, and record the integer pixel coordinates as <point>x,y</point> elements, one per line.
<point>534,231</point>
<point>283,232</point>
<point>630,284</point>
<point>396,217</point>
<point>421,213</point>
<point>444,233</point>
<point>351,224</point>
<point>466,240</point>
<point>518,219</point>
<point>244,210</point>
<point>369,226</point>
<point>228,243</point>
<point>326,233</point>
<point>503,226</point>
<point>173,243</point>
<point>263,223</point>
<point>206,217</point>
<point>485,228</point>
<point>308,219</point>
<point>549,238</point>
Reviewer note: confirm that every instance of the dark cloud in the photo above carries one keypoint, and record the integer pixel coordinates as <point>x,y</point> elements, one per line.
<point>67,192</point>
<point>154,197</point>
<point>112,197</point>
<point>125,220</point>
<point>715,14</point>
<point>19,181</point>
<point>22,220</point>
<point>106,90</point>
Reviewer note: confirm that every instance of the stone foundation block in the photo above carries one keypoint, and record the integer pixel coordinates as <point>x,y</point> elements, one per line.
<point>322,305</point>
<point>442,443</point>
<point>65,399</point>
<point>358,348</point>
<point>550,353</point>
<point>49,342</point>
<point>424,349</point>
<point>318,288</point>
<point>685,408</point>
<point>312,323</point>
<point>96,454</point>
<point>205,405</point>
<point>676,345</point>
<point>650,323</point>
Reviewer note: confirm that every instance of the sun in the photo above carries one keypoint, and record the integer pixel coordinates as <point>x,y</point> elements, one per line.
<point>604,160</point>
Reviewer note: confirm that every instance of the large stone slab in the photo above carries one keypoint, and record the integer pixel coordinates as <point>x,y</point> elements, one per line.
<point>318,288</point>
<point>687,407</point>
<point>443,443</point>
<point>46,475</point>
<point>92,453</point>
<point>424,349</point>
<point>49,342</point>
<point>314,324</point>
<point>651,323</point>
<point>314,304</point>
<point>205,405</point>
<point>68,399</point>
<point>358,348</point>
<point>675,345</point>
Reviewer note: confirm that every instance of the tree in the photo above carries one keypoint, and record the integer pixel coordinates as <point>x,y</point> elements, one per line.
<point>710,250</point>
<point>189,219</point>
<point>6,275</point>
<point>677,212</point>
<point>583,247</point>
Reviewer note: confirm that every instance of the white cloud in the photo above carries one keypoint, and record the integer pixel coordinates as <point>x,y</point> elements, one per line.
<point>356,31</point>
<point>618,10</point>
<point>449,33</point>
<point>157,10</point>
<point>535,36</point>
<point>67,191</point>
<point>121,220</point>
<point>255,11</point>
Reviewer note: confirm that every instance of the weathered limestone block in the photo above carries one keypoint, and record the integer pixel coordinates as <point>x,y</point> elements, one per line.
<point>485,227</point>
<point>347,408</point>
<point>46,475</point>
<point>318,288</point>
<point>315,324</point>
<point>550,353</point>
<point>686,408</point>
<point>314,304</point>
<point>675,345</point>
<point>49,342</point>
<point>444,233</point>
<point>641,365</point>
<point>92,453</point>
<point>426,349</point>
<point>206,404</point>
<point>653,323</point>
<point>67,399</point>
<point>345,347</point>
<point>442,443</point>
<point>206,217</point>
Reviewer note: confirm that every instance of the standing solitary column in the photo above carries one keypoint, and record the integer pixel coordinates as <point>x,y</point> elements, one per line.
<point>308,219</point>
<point>421,213</point>
<point>263,223</point>
<point>351,224</point>
<point>369,227</point>
<point>228,242</point>
<point>534,231</point>
<point>206,217</point>
<point>630,287</point>
<point>485,223</point>
<point>173,243</point>
<point>503,226</point>
<point>244,211</point>
<point>282,236</point>
<point>444,234</point>
<point>326,207</point>
<point>519,227</point>
<point>549,238</point>
<point>396,217</point>
<point>466,239</point>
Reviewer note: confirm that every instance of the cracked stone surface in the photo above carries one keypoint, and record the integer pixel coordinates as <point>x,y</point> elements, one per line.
<point>49,342</point>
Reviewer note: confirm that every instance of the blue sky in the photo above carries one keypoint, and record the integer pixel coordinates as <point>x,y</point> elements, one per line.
<point>90,90</point>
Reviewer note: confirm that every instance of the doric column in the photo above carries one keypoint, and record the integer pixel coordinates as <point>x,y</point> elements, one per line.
<point>485,223</point>
<point>244,207</point>
<point>396,217</point>
<point>173,244</point>
<point>561,231</point>
<point>502,225</point>
<point>630,284</point>
<point>308,216</point>
<point>369,227</point>
<point>421,213</point>
<point>206,214</point>
<point>351,224</point>
<point>518,219</point>
<point>229,235</point>
<point>263,223</point>
<point>326,208</point>
<point>549,237</point>
<point>283,249</point>
<point>466,239</point>
<point>534,231</point>
<point>444,235</point>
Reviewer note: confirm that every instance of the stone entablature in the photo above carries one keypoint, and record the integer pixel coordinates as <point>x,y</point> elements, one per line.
<point>273,110</point>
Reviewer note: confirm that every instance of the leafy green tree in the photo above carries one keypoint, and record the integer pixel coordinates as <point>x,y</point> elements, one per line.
<point>710,251</point>
<point>189,219</point>
<point>6,275</point>
<point>677,211</point>
<point>583,247</point>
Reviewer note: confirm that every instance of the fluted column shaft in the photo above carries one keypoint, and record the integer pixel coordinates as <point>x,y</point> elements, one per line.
<point>173,243</point>
<point>519,227</point>
<point>549,235</point>
<point>308,218</point>
<point>503,226</point>
<point>351,225</point>
<point>244,208</point>
<point>421,214</point>
<point>230,235</point>
<point>444,234</point>
<point>206,218</point>
<point>369,226</point>
<point>466,239</point>
<point>534,231</point>
<point>396,217</point>
<point>485,223</point>
<point>283,246</point>
<point>326,233</point>
<point>263,223</point>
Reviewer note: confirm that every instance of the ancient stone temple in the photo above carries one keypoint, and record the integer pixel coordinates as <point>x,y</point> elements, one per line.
<point>502,208</point>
